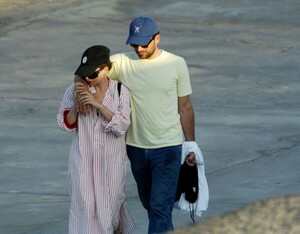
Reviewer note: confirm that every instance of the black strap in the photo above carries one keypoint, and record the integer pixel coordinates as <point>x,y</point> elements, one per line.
<point>119,88</point>
<point>192,213</point>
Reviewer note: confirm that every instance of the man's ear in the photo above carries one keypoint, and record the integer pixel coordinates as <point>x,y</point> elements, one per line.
<point>157,38</point>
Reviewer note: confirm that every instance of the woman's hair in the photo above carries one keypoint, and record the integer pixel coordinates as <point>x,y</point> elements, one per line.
<point>108,64</point>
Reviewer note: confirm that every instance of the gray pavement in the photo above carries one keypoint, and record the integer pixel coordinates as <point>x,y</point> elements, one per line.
<point>243,58</point>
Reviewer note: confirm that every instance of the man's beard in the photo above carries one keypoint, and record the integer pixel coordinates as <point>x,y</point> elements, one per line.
<point>145,55</point>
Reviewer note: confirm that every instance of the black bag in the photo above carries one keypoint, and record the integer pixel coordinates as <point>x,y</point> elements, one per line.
<point>188,183</point>
<point>119,88</point>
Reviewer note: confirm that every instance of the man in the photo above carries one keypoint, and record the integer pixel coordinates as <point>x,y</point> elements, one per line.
<point>162,118</point>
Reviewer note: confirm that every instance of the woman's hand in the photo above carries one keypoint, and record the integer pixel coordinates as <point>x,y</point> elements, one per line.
<point>86,98</point>
<point>81,87</point>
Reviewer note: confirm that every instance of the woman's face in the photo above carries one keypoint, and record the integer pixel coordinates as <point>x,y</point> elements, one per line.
<point>97,76</point>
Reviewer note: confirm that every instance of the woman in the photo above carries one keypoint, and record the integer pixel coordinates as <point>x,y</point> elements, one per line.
<point>97,159</point>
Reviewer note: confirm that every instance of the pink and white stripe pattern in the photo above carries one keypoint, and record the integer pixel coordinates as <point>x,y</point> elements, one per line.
<point>98,165</point>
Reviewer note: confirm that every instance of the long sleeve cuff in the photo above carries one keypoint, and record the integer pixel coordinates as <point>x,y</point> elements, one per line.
<point>68,125</point>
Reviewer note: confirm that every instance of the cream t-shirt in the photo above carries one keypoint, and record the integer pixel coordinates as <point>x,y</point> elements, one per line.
<point>155,85</point>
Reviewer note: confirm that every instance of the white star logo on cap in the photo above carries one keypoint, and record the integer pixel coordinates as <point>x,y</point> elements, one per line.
<point>137,29</point>
<point>84,59</point>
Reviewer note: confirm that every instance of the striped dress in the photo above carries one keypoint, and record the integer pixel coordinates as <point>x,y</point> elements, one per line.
<point>98,165</point>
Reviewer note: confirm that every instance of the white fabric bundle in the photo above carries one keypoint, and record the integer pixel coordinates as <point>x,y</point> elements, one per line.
<point>203,195</point>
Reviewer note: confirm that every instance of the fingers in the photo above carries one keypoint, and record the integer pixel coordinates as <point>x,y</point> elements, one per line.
<point>81,86</point>
<point>82,107</point>
<point>190,159</point>
<point>83,100</point>
<point>86,109</point>
<point>86,98</point>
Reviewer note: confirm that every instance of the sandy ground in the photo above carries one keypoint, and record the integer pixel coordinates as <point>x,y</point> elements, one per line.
<point>15,10</point>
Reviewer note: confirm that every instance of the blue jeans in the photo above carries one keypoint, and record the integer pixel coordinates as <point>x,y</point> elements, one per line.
<point>156,173</point>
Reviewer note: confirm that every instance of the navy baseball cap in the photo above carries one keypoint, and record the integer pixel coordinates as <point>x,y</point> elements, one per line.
<point>141,30</point>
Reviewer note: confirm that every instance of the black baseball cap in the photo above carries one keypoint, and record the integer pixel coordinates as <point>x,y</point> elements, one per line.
<point>91,59</point>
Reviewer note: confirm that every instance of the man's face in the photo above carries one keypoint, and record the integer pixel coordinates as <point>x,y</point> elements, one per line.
<point>146,51</point>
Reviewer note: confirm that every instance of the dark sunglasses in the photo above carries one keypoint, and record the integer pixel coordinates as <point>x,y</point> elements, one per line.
<point>143,46</point>
<point>94,75</point>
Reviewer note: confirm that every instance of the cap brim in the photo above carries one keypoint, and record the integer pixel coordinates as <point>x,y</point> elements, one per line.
<point>84,71</point>
<point>138,40</point>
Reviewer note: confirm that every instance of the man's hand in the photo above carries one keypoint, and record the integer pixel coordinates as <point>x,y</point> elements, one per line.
<point>190,159</point>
